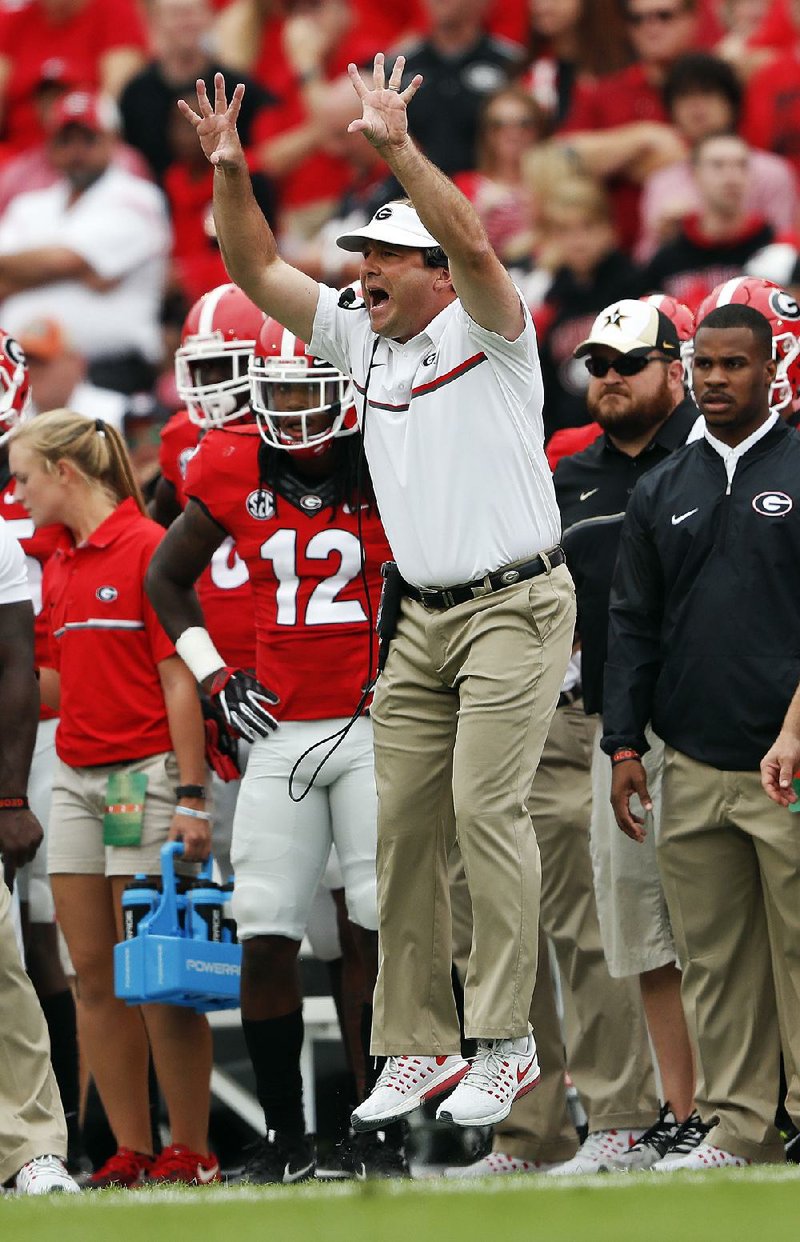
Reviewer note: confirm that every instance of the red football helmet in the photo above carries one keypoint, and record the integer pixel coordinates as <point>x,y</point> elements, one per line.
<point>217,343</point>
<point>783,313</point>
<point>15,385</point>
<point>683,319</point>
<point>292,392</point>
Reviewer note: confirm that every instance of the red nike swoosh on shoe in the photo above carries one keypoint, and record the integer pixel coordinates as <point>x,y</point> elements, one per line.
<point>441,1060</point>
<point>521,1073</point>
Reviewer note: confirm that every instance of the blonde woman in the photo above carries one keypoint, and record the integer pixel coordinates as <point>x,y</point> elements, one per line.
<point>130,731</point>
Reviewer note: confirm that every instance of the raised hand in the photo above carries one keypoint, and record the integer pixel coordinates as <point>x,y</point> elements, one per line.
<point>383,121</point>
<point>216,127</point>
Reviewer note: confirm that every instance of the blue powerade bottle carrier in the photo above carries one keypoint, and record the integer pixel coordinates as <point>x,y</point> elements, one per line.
<point>164,962</point>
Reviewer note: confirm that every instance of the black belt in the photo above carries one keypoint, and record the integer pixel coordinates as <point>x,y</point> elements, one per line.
<point>567,697</point>
<point>492,582</point>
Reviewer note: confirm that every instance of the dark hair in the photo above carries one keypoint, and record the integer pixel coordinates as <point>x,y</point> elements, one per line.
<point>351,483</point>
<point>739,315</point>
<point>601,37</point>
<point>699,73</point>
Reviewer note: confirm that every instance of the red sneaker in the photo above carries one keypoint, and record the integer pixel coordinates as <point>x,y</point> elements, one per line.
<point>178,1164</point>
<point>125,1168</point>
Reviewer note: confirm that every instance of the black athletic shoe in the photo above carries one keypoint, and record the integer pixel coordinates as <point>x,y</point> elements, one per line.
<point>651,1146</point>
<point>691,1133</point>
<point>364,1157</point>
<point>279,1159</point>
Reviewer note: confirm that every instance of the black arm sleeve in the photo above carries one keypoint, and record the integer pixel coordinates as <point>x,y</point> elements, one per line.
<point>634,633</point>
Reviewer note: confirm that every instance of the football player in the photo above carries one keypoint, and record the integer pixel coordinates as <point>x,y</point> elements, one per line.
<point>211,372</point>
<point>783,313</point>
<point>290,493</point>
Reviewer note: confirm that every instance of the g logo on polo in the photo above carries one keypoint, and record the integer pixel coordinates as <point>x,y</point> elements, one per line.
<point>383,214</point>
<point>260,504</point>
<point>429,359</point>
<point>107,594</point>
<point>784,304</point>
<point>773,504</point>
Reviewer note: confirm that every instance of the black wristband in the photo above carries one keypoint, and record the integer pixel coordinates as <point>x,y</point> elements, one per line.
<point>190,791</point>
<point>14,804</point>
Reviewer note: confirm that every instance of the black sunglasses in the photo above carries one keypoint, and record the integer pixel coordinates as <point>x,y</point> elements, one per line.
<point>625,365</point>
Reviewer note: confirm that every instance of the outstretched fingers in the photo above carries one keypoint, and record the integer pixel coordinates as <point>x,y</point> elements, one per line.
<point>189,113</point>
<point>408,94</point>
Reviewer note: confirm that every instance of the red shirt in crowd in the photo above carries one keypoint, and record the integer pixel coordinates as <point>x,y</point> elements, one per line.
<point>621,98</point>
<point>38,546</point>
<point>772,107</point>
<point>311,613</point>
<point>29,40</point>
<point>106,642</point>
<point>223,589</point>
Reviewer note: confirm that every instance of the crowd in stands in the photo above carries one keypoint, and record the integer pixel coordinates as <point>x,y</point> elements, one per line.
<point>612,148</point>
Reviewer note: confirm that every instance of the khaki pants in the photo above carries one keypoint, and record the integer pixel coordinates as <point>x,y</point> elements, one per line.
<point>730,861</point>
<point>461,713</point>
<point>604,1037</point>
<point>31,1116</point>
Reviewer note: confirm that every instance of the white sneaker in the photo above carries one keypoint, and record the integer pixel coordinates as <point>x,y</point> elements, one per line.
<point>598,1152</point>
<point>403,1084</point>
<point>501,1072</point>
<point>498,1162</point>
<point>45,1175</point>
<point>704,1156</point>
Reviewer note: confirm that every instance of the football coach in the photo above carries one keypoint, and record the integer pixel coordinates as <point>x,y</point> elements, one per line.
<point>443,358</point>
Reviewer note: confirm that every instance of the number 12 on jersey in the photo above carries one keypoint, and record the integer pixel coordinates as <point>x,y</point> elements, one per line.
<point>323,607</point>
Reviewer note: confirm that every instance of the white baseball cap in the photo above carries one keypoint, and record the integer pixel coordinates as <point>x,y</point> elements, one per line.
<point>632,327</point>
<point>396,223</point>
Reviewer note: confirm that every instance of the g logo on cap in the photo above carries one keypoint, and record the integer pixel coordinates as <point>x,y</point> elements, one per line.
<point>773,504</point>
<point>383,213</point>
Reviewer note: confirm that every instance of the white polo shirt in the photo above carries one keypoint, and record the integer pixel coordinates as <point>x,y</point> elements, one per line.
<point>454,440</point>
<point>120,226</point>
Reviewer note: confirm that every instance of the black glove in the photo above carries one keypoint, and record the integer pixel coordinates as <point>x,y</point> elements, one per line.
<point>222,748</point>
<point>243,703</point>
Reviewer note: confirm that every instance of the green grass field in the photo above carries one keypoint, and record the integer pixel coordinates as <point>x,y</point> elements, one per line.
<point>747,1205</point>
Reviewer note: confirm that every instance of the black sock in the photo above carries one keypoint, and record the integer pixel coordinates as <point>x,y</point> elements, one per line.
<point>59,1013</point>
<point>274,1045</point>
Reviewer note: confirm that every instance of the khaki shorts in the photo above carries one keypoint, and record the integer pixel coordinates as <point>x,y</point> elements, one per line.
<point>631,908</point>
<point>75,844</point>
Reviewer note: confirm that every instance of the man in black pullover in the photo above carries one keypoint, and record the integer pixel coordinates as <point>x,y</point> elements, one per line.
<point>703,643</point>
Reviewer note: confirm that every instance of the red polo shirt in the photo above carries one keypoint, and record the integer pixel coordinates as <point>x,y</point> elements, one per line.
<point>106,642</point>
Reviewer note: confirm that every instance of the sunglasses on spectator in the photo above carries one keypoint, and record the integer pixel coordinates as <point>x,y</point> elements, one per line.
<point>625,365</point>
<point>663,16</point>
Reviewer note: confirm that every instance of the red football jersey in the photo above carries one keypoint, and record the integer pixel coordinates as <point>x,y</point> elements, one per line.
<point>223,589</point>
<point>312,616</point>
<point>38,546</point>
